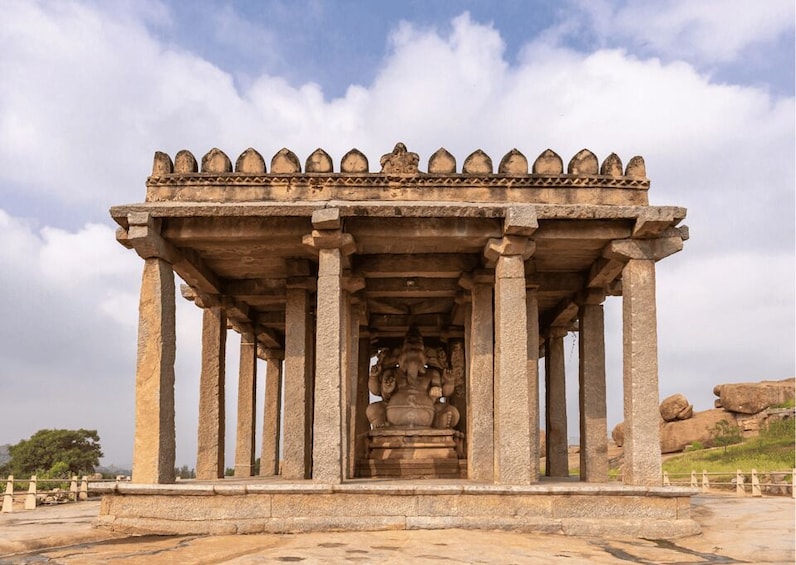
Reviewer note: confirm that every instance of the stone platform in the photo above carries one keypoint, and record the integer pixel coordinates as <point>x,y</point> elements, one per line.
<point>414,453</point>
<point>276,506</point>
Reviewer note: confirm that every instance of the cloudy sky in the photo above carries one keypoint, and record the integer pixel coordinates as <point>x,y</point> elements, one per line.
<point>704,90</point>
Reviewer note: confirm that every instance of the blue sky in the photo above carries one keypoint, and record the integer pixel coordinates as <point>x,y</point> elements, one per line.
<point>703,89</point>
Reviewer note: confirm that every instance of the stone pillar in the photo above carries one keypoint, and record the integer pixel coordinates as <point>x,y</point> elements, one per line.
<point>296,451</point>
<point>511,386</point>
<point>210,455</point>
<point>480,434</point>
<point>532,316</point>
<point>327,440</point>
<point>591,395</point>
<point>269,453</point>
<point>362,425</point>
<point>154,446</point>
<point>556,405</point>
<point>247,405</point>
<point>642,445</point>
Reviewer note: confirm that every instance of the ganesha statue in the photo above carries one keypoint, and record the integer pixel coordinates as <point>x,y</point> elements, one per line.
<point>414,383</point>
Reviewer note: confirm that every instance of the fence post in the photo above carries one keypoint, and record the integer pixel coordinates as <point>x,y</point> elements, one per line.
<point>30,498</point>
<point>705,481</point>
<point>8,497</point>
<point>666,482</point>
<point>756,484</point>
<point>83,488</point>
<point>73,488</point>
<point>693,479</point>
<point>739,478</point>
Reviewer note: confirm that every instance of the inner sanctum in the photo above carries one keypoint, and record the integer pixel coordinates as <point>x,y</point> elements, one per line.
<point>402,314</point>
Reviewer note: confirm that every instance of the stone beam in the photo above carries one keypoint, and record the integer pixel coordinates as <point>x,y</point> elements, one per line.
<point>411,287</point>
<point>444,265</point>
<point>143,235</point>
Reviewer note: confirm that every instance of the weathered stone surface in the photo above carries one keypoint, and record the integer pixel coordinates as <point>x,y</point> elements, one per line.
<point>319,162</point>
<point>154,446</point>
<point>511,389</point>
<point>250,162</point>
<point>400,161</point>
<point>216,161</point>
<point>285,162</point>
<point>556,405</point>
<point>592,395</point>
<point>751,398</point>
<point>210,442</point>
<point>477,163</point>
<point>640,374</point>
<point>442,162</point>
<point>676,407</point>
<point>513,163</point>
<point>354,162</point>
<point>548,163</point>
<point>678,434</point>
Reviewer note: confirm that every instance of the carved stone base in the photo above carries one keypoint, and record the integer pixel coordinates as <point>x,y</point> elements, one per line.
<point>414,453</point>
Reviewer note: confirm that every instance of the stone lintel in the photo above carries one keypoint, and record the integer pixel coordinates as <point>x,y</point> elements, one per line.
<point>520,220</point>
<point>652,221</point>
<point>590,296</point>
<point>382,209</point>
<point>564,314</point>
<point>267,353</point>
<point>604,271</point>
<point>652,249</point>
<point>352,283</point>
<point>268,338</point>
<point>304,283</point>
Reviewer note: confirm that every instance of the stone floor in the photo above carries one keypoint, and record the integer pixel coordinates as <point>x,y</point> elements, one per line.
<point>735,530</point>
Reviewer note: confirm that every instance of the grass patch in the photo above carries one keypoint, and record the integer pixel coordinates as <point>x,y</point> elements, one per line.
<point>772,450</point>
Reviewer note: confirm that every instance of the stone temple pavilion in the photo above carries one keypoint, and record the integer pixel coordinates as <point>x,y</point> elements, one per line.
<point>402,315</point>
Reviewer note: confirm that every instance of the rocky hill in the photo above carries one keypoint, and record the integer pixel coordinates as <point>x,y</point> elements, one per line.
<point>749,406</point>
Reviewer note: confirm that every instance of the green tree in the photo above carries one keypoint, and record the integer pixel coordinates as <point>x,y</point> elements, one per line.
<point>74,451</point>
<point>724,434</point>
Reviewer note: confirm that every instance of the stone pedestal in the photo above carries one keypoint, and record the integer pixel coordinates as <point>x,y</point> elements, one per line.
<point>414,453</point>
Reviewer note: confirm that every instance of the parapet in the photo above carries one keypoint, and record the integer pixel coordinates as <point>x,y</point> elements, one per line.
<point>214,179</point>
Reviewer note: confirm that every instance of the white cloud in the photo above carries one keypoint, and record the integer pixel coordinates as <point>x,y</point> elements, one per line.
<point>90,96</point>
<point>708,31</point>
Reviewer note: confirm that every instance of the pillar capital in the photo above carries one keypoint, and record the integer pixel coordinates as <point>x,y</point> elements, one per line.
<point>647,249</point>
<point>330,239</point>
<point>509,245</point>
<point>557,331</point>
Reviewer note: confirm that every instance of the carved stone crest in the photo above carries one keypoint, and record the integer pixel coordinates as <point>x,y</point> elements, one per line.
<point>400,161</point>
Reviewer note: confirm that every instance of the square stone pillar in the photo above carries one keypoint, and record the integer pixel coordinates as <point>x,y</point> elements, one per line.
<point>591,395</point>
<point>297,407</point>
<point>247,405</point>
<point>642,445</point>
<point>556,405</point>
<point>210,453</point>
<point>362,425</point>
<point>154,445</point>
<point>512,388</point>
<point>269,453</point>
<point>480,423</point>
<point>532,316</point>
<point>327,438</point>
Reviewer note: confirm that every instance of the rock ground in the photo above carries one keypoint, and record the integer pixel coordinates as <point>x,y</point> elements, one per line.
<point>734,530</point>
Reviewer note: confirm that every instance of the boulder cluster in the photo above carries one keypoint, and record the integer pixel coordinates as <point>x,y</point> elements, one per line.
<point>749,406</point>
